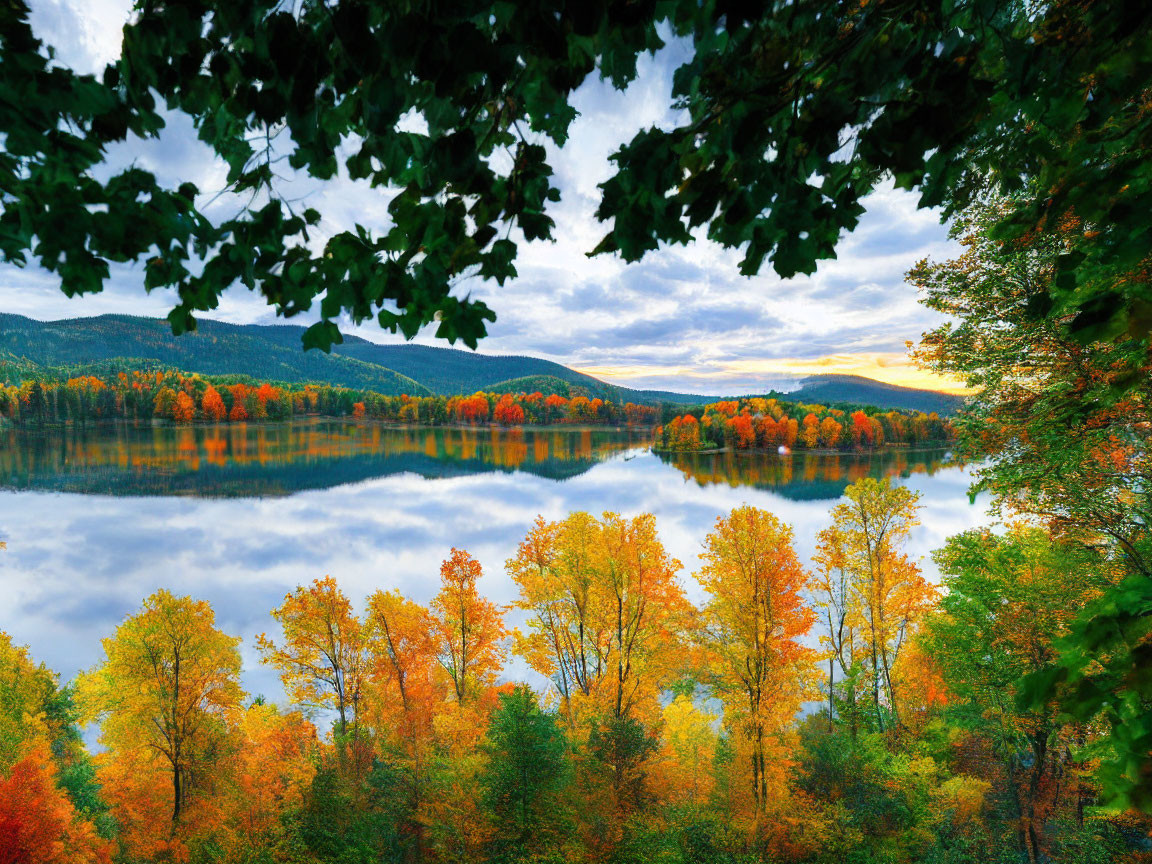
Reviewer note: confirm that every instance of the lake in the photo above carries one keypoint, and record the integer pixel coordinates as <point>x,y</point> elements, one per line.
<point>97,518</point>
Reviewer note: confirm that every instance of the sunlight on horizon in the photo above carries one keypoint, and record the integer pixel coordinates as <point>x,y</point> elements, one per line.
<point>888,368</point>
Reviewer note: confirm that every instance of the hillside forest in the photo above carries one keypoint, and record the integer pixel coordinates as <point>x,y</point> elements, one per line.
<point>650,728</point>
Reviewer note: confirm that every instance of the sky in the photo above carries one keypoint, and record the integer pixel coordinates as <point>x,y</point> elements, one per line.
<point>682,319</point>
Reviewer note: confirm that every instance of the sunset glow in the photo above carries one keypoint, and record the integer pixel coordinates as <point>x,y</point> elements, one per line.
<point>890,368</point>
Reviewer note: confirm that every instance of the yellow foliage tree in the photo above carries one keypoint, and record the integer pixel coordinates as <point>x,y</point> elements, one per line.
<point>753,626</point>
<point>886,593</point>
<point>166,693</point>
<point>321,659</point>
<point>606,612</point>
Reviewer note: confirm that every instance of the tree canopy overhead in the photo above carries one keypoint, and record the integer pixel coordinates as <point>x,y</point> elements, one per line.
<point>794,112</point>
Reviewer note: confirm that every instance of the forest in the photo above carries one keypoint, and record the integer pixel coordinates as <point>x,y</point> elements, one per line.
<point>59,396</point>
<point>767,424</point>
<point>842,709</point>
<point>107,392</point>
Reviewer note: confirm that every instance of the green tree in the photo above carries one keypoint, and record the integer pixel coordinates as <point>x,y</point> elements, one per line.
<point>1009,599</point>
<point>793,112</point>
<point>1059,429</point>
<point>526,774</point>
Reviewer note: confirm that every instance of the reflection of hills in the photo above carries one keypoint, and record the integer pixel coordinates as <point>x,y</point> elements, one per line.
<point>276,460</point>
<point>803,476</point>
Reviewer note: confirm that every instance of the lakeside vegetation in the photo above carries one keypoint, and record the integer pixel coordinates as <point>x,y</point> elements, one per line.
<point>666,731</point>
<point>768,424</point>
<point>110,391</point>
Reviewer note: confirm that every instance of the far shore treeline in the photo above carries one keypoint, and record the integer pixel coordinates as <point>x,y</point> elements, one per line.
<point>49,395</point>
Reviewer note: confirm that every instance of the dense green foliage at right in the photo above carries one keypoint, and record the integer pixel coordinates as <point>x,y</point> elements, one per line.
<point>1063,432</point>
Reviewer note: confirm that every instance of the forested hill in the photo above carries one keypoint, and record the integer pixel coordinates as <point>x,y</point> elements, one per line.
<point>829,389</point>
<point>274,353</point>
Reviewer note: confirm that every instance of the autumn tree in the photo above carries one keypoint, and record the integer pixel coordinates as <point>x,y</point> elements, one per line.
<point>212,404</point>
<point>469,628</point>
<point>272,765</point>
<point>408,691</point>
<point>838,602</point>
<point>321,658</point>
<point>165,693</point>
<point>1010,599</point>
<point>888,593</point>
<point>691,743</point>
<point>38,822</point>
<point>507,411</point>
<point>184,409</point>
<point>164,405</point>
<point>1059,428</point>
<point>43,818</point>
<point>25,691</point>
<point>606,612</point>
<point>753,626</point>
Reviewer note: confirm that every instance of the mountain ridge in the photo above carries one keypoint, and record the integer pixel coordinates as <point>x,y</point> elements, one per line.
<point>273,352</point>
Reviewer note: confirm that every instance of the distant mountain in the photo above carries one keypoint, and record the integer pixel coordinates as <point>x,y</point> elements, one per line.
<point>827,389</point>
<point>274,353</point>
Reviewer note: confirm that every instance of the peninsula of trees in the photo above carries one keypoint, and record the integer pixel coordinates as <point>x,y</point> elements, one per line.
<point>769,424</point>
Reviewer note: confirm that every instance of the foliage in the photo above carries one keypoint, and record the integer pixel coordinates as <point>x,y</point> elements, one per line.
<point>525,778</point>
<point>1010,599</point>
<point>321,659</point>
<point>60,396</point>
<point>772,156</point>
<point>165,693</point>
<point>753,626</point>
<point>1063,428</point>
<point>774,425</point>
<point>673,732</point>
<point>873,593</point>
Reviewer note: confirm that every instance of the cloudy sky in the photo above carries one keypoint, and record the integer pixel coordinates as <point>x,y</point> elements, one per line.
<point>682,319</point>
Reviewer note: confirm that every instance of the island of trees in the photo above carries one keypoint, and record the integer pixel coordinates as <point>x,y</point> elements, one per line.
<point>655,729</point>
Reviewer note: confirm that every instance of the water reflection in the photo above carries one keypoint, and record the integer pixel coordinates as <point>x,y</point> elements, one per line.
<point>249,460</point>
<point>805,476</point>
<point>239,515</point>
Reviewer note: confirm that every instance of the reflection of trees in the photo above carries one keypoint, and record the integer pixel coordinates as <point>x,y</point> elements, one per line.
<point>248,459</point>
<point>803,476</point>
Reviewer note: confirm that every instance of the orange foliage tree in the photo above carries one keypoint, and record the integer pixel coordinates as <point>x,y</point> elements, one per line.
<point>271,769</point>
<point>184,410</point>
<point>469,628</point>
<point>322,656</point>
<point>508,412</point>
<point>38,824</point>
<point>212,405</point>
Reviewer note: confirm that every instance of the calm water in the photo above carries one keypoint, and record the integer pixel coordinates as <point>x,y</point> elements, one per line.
<point>96,519</point>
